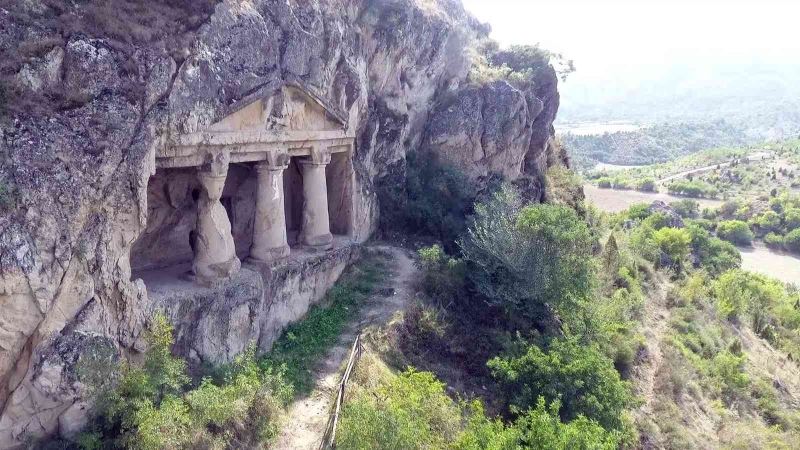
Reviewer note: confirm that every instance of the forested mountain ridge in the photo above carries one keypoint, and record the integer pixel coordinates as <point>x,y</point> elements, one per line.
<point>652,144</point>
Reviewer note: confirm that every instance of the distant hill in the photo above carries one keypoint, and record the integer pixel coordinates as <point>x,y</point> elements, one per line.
<point>654,144</point>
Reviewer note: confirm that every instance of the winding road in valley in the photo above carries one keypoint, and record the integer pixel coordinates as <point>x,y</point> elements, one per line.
<point>757,156</point>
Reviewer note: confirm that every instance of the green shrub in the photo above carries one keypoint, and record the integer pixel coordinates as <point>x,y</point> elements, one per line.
<point>792,241</point>
<point>542,429</point>
<point>688,209</point>
<point>791,219</point>
<point>523,258</point>
<point>149,407</point>
<point>768,222</point>
<point>774,240</point>
<point>643,243</point>
<point>727,370</point>
<point>712,254</point>
<point>673,242</point>
<point>692,189</point>
<point>638,211</point>
<point>739,292</point>
<point>412,411</point>
<point>578,375</point>
<point>442,276</point>
<point>646,185</point>
<point>604,183</point>
<point>735,231</point>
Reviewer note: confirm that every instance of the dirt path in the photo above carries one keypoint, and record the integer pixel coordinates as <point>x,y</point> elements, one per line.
<point>307,417</point>
<point>655,326</point>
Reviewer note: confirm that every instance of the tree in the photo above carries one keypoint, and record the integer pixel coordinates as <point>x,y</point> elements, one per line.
<point>523,258</point>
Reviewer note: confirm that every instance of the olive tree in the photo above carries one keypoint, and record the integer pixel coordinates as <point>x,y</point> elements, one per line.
<point>522,258</point>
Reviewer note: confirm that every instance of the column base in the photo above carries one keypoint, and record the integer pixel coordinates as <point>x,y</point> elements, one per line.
<point>212,274</point>
<point>270,254</point>
<point>323,242</point>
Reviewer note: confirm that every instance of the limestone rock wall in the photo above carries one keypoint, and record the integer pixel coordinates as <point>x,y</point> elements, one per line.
<point>75,173</point>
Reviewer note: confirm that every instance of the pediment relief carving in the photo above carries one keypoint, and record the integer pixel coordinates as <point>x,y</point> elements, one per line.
<point>290,120</point>
<point>287,109</point>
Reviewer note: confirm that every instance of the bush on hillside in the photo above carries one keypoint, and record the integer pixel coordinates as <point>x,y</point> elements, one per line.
<point>696,189</point>
<point>674,243</point>
<point>578,375</point>
<point>646,185</point>
<point>774,241</point>
<point>687,208</point>
<point>768,222</point>
<point>792,241</point>
<point>149,408</point>
<point>712,253</point>
<point>442,276</point>
<point>542,429</point>
<point>735,231</point>
<point>740,293</point>
<point>411,411</point>
<point>791,219</point>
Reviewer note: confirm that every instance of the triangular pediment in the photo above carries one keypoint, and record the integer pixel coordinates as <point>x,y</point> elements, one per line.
<point>287,109</point>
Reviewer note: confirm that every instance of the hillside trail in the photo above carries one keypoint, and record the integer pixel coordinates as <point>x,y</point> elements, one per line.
<point>655,326</point>
<point>307,417</point>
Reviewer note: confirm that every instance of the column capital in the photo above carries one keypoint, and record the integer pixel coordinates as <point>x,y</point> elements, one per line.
<point>318,157</point>
<point>215,164</point>
<point>276,160</point>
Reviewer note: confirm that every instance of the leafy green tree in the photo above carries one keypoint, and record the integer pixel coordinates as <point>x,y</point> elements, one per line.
<point>578,375</point>
<point>522,258</point>
<point>735,231</point>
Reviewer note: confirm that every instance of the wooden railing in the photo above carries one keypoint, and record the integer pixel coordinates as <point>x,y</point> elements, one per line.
<point>329,437</point>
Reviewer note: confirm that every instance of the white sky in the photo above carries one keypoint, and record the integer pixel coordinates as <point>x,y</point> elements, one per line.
<point>604,35</point>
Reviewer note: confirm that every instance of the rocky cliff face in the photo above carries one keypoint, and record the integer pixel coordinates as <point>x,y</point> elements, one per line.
<point>85,111</point>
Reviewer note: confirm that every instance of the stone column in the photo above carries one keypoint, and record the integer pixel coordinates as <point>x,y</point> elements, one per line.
<point>215,254</point>
<point>269,229</point>
<point>316,223</point>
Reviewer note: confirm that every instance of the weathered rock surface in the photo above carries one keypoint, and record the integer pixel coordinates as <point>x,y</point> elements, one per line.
<point>78,170</point>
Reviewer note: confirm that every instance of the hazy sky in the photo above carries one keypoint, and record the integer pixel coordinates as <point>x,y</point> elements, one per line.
<point>604,34</point>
